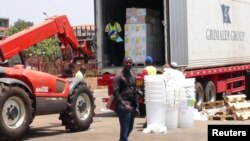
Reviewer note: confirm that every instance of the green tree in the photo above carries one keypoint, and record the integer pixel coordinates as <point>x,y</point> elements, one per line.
<point>18,26</point>
<point>47,49</point>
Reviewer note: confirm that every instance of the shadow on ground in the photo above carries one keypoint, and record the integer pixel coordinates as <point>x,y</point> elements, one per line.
<point>43,131</point>
<point>106,114</point>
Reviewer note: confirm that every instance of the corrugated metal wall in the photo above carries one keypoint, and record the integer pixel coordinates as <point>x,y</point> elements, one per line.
<point>178,42</point>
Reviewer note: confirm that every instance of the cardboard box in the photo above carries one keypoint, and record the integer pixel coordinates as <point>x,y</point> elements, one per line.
<point>138,29</point>
<point>142,19</point>
<point>142,12</point>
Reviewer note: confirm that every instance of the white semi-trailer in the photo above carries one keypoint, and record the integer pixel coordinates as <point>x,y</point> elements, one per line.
<point>210,38</point>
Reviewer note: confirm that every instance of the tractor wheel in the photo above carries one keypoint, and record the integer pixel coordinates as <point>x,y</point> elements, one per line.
<point>16,112</point>
<point>199,95</point>
<point>80,110</point>
<point>210,91</point>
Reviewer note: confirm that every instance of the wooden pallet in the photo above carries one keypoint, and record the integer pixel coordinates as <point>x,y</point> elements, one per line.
<point>237,104</point>
<point>233,107</point>
<point>243,114</point>
<point>235,98</point>
<point>209,105</point>
<point>240,106</point>
<point>222,117</point>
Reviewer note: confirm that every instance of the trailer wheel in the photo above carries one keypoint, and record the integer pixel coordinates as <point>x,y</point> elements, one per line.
<point>80,110</point>
<point>199,95</point>
<point>16,112</point>
<point>210,92</point>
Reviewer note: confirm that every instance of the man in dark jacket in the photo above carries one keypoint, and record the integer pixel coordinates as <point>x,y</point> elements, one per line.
<point>124,90</point>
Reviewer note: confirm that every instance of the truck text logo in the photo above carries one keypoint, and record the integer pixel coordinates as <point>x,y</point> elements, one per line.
<point>225,10</point>
<point>215,34</point>
<point>225,34</point>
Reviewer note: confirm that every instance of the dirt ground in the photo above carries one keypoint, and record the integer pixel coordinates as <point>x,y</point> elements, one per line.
<point>106,128</point>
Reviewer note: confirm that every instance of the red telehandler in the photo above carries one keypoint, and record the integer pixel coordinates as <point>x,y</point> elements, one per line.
<point>25,93</point>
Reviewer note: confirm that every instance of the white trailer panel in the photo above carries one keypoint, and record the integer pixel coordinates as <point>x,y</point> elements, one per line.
<point>218,32</point>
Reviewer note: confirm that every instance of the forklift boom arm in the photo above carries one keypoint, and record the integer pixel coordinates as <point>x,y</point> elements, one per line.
<point>59,25</point>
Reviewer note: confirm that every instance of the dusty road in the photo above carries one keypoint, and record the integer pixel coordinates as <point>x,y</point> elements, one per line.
<point>106,128</point>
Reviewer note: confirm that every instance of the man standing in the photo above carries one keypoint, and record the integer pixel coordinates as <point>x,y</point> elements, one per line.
<point>81,72</point>
<point>148,70</point>
<point>113,30</point>
<point>124,90</point>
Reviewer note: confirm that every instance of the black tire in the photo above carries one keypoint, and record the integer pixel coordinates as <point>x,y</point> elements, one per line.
<point>16,112</point>
<point>210,91</point>
<point>199,95</point>
<point>80,110</point>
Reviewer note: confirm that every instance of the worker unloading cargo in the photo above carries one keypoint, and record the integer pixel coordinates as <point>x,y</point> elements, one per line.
<point>113,30</point>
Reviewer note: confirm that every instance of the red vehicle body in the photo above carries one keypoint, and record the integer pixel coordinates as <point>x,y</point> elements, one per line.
<point>25,94</point>
<point>221,80</point>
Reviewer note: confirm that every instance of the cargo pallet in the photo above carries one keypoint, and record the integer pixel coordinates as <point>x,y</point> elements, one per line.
<point>237,108</point>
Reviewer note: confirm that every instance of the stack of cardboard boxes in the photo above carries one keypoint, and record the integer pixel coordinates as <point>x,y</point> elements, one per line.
<point>143,34</point>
